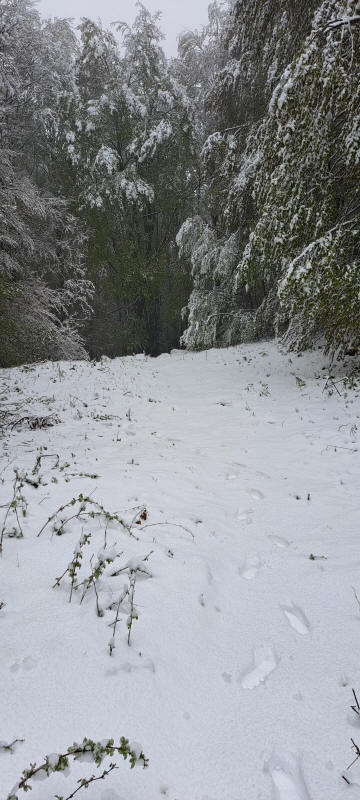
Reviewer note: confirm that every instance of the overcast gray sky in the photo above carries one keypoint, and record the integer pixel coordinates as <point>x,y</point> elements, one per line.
<point>177,15</point>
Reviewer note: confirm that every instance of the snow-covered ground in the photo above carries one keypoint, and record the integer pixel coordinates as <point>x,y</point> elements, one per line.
<point>239,476</point>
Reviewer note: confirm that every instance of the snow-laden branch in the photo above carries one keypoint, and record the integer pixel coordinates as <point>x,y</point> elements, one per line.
<point>337,23</point>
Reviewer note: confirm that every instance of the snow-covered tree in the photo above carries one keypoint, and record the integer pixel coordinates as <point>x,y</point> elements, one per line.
<point>44,294</point>
<point>277,247</point>
<point>127,134</point>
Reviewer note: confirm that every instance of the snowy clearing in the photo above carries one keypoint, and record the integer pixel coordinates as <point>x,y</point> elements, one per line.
<point>236,479</point>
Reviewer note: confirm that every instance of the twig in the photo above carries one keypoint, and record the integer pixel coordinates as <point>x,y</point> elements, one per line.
<point>58,580</point>
<point>45,455</point>
<point>97,750</point>
<point>12,506</point>
<point>7,514</point>
<point>132,570</point>
<point>357,751</point>
<point>356,707</point>
<point>116,620</point>
<point>84,512</point>
<point>339,447</point>
<point>174,525</point>
<point>37,422</point>
<point>85,782</point>
<point>358,602</point>
<point>9,747</point>
<point>330,381</point>
<point>133,615</point>
<point>100,613</point>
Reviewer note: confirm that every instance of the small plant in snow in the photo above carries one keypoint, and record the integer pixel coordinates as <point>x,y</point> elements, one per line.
<point>88,750</point>
<point>116,621</point>
<point>265,391</point>
<point>42,455</point>
<point>16,507</point>
<point>133,567</point>
<point>84,508</point>
<point>356,709</point>
<point>351,382</point>
<point>74,565</point>
<point>8,747</point>
<point>104,558</point>
<point>133,610</point>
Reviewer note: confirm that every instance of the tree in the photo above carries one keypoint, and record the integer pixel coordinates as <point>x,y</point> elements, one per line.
<point>125,130</point>
<point>277,246</point>
<point>44,295</point>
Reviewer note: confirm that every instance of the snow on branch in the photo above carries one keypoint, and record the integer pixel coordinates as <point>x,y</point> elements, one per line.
<point>337,23</point>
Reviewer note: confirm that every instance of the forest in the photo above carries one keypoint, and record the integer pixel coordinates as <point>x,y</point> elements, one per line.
<point>205,200</point>
<point>180,404</point>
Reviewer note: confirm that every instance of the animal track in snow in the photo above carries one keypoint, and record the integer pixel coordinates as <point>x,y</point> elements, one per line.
<point>287,778</point>
<point>296,619</point>
<point>251,566</point>
<point>265,661</point>
<point>27,663</point>
<point>280,541</point>
<point>255,494</point>
<point>109,794</point>
<point>244,515</point>
<point>148,665</point>
<point>234,472</point>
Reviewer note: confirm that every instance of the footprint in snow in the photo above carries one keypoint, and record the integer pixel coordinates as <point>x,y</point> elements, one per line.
<point>27,663</point>
<point>226,677</point>
<point>297,619</point>
<point>148,665</point>
<point>265,661</point>
<point>235,474</point>
<point>264,475</point>
<point>245,515</point>
<point>255,494</point>
<point>287,777</point>
<point>251,566</point>
<point>280,541</point>
<point>109,794</point>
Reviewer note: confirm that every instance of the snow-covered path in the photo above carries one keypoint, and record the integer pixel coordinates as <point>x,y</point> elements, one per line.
<point>238,678</point>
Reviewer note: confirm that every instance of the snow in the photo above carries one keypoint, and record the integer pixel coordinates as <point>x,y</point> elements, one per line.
<point>160,134</point>
<point>238,678</point>
<point>107,158</point>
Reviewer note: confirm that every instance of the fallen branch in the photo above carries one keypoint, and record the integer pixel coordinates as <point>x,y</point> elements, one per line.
<point>37,422</point>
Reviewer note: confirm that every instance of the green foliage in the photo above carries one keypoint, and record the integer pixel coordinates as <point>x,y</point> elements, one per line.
<point>44,296</point>
<point>124,130</point>
<point>87,749</point>
<point>307,191</point>
<point>15,509</point>
<point>283,177</point>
